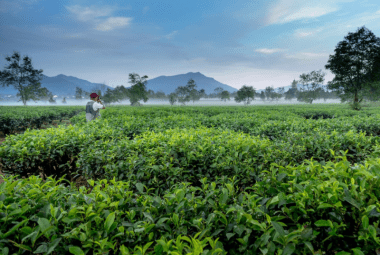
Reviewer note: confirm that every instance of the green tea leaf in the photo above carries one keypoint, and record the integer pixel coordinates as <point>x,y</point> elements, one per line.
<point>43,223</point>
<point>324,205</point>
<point>140,187</point>
<point>53,245</point>
<point>310,246</point>
<point>229,235</point>
<point>289,249</point>
<point>323,223</point>
<point>41,249</point>
<point>307,233</point>
<point>109,221</point>
<point>357,251</point>
<point>278,228</point>
<point>365,222</point>
<point>76,250</point>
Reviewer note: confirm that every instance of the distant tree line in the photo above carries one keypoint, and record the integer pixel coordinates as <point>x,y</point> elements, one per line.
<point>356,65</point>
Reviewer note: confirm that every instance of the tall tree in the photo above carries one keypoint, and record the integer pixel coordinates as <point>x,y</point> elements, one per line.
<point>292,92</point>
<point>218,91</point>
<point>354,64</point>
<point>183,94</point>
<point>311,86</point>
<point>52,100</point>
<point>269,92</point>
<point>245,94</point>
<point>78,93</point>
<point>262,95</point>
<point>225,95</point>
<point>138,90</point>
<point>23,78</point>
<point>172,98</point>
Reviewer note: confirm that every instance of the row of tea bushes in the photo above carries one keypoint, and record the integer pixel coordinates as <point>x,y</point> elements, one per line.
<point>19,118</point>
<point>90,147</point>
<point>306,209</point>
<point>158,160</point>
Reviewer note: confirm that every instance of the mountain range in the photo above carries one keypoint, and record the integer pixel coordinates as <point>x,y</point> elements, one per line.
<point>63,85</point>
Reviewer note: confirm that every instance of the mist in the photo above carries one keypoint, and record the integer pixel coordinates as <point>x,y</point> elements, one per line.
<point>157,102</point>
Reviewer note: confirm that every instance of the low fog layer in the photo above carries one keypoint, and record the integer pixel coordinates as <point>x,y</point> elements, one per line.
<point>201,102</point>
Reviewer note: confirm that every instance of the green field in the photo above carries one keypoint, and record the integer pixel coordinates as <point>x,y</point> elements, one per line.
<point>301,179</point>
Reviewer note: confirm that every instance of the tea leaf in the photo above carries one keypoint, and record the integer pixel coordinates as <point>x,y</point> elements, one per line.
<point>278,228</point>
<point>76,250</point>
<point>109,221</point>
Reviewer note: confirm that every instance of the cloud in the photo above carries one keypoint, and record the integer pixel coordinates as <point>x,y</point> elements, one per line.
<point>305,33</point>
<point>89,13</point>
<point>113,22</point>
<point>285,11</point>
<point>269,51</point>
<point>94,14</point>
<point>170,36</point>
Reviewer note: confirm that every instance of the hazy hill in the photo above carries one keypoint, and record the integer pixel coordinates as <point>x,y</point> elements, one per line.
<point>168,84</point>
<point>61,85</point>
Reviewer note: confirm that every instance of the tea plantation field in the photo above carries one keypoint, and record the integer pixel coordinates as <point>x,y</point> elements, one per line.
<point>301,179</point>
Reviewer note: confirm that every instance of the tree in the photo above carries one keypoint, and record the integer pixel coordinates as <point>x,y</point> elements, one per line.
<point>311,86</point>
<point>262,95</point>
<point>64,101</point>
<point>292,92</point>
<point>202,93</point>
<point>23,78</point>
<point>138,90</point>
<point>245,94</point>
<point>225,95</point>
<point>52,100</point>
<point>354,64</point>
<point>173,98</point>
<point>182,93</point>
<point>218,91</point>
<point>281,92</point>
<point>78,93</point>
<point>269,92</point>
<point>188,92</point>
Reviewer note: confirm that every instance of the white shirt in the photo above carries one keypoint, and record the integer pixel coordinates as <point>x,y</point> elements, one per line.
<point>96,106</point>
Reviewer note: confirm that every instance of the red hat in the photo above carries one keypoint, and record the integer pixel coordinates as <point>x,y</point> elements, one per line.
<point>93,95</point>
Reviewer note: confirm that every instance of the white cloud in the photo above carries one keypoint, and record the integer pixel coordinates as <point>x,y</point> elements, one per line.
<point>95,14</point>
<point>113,22</point>
<point>307,55</point>
<point>89,13</point>
<point>305,33</point>
<point>269,51</point>
<point>170,36</point>
<point>285,11</point>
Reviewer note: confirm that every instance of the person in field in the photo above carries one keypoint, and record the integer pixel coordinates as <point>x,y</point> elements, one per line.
<point>93,107</point>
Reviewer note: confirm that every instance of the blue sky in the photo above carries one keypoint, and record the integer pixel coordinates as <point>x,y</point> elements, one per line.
<point>256,43</point>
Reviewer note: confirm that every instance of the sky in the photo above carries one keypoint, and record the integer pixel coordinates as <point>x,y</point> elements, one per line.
<point>257,43</point>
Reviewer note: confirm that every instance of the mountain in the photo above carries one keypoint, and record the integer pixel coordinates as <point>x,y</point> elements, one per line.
<point>168,84</point>
<point>61,85</point>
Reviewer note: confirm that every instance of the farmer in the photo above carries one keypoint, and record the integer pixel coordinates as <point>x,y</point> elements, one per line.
<point>93,107</point>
